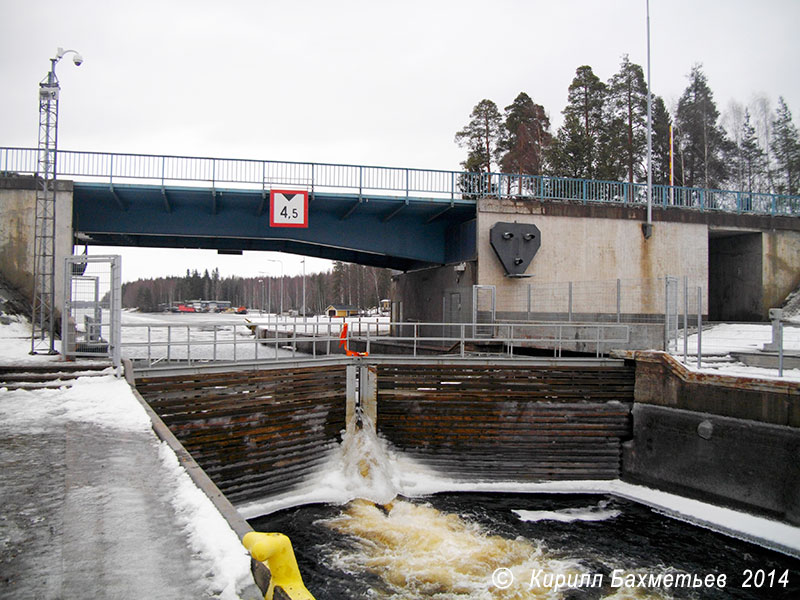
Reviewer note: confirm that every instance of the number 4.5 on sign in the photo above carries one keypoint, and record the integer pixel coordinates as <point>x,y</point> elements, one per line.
<point>288,208</point>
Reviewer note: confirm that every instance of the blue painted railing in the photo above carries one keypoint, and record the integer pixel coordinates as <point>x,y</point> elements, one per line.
<point>437,185</point>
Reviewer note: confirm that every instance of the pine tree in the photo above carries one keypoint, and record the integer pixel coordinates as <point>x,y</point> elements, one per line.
<point>660,142</point>
<point>585,102</point>
<point>752,156</point>
<point>627,107</point>
<point>482,137</point>
<point>785,146</point>
<point>527,136</point>
<point>703,142</point>
<point>569,153</point>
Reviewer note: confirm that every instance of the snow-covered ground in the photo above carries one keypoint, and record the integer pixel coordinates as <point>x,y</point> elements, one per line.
<point>720,341</point>
<point>120,473</point>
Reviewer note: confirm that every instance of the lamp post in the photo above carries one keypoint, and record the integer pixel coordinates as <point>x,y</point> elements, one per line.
<point>44,251</point>
<point>648,227</point>
<point>280,262</point>
<point>304,291</point>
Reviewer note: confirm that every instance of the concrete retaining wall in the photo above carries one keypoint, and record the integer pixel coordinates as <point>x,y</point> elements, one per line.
<point>727,440</point>
<point>741,463</point>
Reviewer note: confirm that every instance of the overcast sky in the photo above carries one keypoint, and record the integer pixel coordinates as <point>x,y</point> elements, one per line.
<point>385,83</point>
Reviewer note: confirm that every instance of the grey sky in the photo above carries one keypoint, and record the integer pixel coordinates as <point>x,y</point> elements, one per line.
<point>355,82</point>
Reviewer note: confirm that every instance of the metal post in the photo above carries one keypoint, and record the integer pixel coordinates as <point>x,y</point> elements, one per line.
<point>699,326</point>
<point>649,131</point>
<point>780,349</point>
<point>529,301</point>
<point>685,318</point>
<point>569,316</point>
<point>666,313</point>
<point>619,299</point>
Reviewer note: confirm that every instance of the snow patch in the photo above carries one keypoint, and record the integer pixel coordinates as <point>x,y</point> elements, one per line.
<point>209,534</point>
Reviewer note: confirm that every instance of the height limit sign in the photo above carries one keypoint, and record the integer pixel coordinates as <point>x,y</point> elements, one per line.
<point>288,208</point>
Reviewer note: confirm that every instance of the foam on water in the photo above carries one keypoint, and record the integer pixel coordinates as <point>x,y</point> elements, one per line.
<point>420,552</point>
<point>599,512</point>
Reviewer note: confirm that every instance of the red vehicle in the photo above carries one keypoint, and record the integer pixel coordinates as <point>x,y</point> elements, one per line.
<point>186,309</point>
<point>242,310</point>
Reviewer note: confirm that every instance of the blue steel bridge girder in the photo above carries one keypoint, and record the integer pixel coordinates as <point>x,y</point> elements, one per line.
<point>419,232</point>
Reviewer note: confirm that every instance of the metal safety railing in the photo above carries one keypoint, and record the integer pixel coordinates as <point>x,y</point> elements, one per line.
<point>430,184</point>
<point>154,344</point>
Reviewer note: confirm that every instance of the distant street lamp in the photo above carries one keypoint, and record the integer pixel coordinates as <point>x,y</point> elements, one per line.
<point>44,244</point>
<point>281,264</point>
<point>304,291</point>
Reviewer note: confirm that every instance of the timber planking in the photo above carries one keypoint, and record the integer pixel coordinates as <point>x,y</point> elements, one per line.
<point>255,433</point>
<point>509,423</point>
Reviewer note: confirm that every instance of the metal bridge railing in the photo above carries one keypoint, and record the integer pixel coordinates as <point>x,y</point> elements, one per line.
<point>404,182</point>
<point>156,344</point>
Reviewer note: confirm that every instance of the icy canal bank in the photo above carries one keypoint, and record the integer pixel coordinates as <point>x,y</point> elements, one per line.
<point>94,505</point>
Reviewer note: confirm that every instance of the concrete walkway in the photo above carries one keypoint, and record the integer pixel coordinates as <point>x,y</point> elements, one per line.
<point>88,509</point>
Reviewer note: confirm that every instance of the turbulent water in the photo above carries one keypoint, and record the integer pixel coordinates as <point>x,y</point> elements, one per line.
<point>370,542</point>
<point>448,546</point>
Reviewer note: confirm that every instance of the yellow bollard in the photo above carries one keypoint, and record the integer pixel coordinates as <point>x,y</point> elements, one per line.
<point>276,550</point>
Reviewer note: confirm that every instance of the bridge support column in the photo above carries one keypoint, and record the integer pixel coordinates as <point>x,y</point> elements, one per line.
<point>17,213</point>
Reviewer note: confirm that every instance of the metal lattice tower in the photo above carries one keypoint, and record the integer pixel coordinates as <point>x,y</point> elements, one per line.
<point>44,258</point>
<point>44,242</point>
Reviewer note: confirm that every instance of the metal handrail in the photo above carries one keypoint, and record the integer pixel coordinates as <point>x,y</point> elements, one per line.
<point>326,335</point>
<point>431,184</point>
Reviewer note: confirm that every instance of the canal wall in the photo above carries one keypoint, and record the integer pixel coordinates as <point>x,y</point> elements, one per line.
<point>508,422</point>
<point>643,419</point>
<point>726,440</point>
<point>255,433</point>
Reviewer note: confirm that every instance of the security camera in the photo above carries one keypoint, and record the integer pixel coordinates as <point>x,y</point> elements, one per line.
<point>77,59</point>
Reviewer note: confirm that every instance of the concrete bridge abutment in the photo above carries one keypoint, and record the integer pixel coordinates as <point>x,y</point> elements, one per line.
<point>744,263</point>
<point>17,233</point>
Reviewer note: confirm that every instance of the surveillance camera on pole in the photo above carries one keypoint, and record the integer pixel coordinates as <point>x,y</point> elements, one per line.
<point>44,253</point>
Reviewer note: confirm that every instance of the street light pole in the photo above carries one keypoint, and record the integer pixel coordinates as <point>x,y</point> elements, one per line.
<point>648,228</point>
<point>280,262</point>
<point>304,291</point>
<point>44,250</point>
